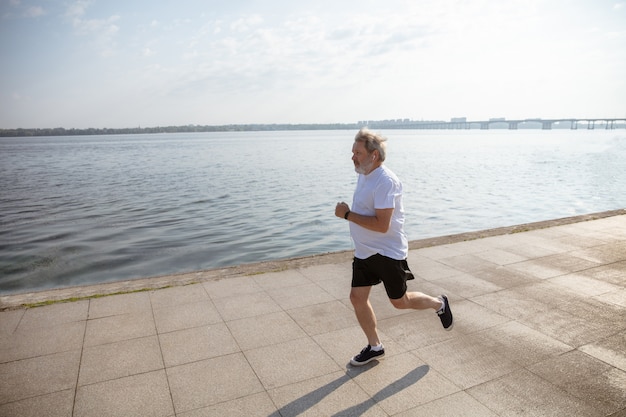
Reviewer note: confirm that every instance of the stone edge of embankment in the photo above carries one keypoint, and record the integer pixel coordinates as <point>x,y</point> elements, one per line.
<point>67,294</point>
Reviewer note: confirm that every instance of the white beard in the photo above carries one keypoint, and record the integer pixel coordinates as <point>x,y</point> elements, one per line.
<point>364,168</point>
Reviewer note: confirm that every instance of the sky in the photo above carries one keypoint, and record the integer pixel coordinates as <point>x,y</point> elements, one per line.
<point>129,63</point>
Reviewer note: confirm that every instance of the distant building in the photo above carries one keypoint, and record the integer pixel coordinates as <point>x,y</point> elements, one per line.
<point>458,120</point>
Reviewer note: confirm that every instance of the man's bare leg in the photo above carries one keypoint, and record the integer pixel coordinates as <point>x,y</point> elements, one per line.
<point>417,301</point>
<point>359,296</point>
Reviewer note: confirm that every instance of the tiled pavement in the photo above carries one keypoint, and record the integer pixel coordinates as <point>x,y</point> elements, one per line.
<point>540,331</point>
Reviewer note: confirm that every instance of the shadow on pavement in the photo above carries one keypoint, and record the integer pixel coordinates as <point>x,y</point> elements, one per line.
<point>309,400</point>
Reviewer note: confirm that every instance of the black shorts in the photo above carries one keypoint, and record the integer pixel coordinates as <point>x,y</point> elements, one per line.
<point>378,268</point>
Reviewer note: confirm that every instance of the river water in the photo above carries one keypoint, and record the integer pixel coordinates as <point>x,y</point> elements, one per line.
<point>93,209</point>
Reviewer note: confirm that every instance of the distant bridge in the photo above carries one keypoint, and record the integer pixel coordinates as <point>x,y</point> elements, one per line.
<point>546,124</point>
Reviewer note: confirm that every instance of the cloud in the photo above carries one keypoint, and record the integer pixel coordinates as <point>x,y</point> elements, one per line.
<point>246,24</point>
<point>103,31</point>
<point>34,11</point>
<point>15,9</point>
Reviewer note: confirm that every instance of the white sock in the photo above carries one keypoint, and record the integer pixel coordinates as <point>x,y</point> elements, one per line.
<point>443,305</point>
<point>377,347</point>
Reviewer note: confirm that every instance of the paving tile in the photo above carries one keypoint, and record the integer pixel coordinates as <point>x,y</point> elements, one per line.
<point>469,247</point>
<point>120,327</point>
<point>566,327</point>
<point>549,293</point>
<point>468,263</point>
<point>300,296</point>
<point>403,382</point>
<point>434,252</point>
<point>54,315</point>
<point>468,285</point>
<point>569,367</point>
<point>120,359</point>
<point>265,330</point>
<point>185,294</point>
<point>38,376</point>
<point>211,381</point>
<point>228,287</point>
<point>245,305</point>
<point>567,263</point>
<point>587,378</point>
<point>323,318</point>
<point>610,350</point>
<point>470,317</point>
<point>284,279</point>
<point>325,272</point>
<point>338,288</point>
<point>137,395</point>
<point>504,277</point>
<point>553,266</point>
<point>57,404</point>
<point>616,297</point>
<point>549,239</point>
<point>186,315</point>
<point>614,273</point>
<point>289,362</point>
<point>429,269</point>
<point>113,305</point>
<point>33,342</point>
<point>600,310</point>
<point>589,241</point>
<point>511,303</point>
<point>501,257</point>
<point>419,329</point>
<point>528,249</point>
<point>501,241</point>
<point>467,361</point>
<point>328,395</point>
<point>196,344</point>
<point>252,405</point>
<point>607,253</point>
<point>605,393</point>
<point>9,320</point>
<point>455,405</point>
<point>522,393</point>
<point>584,285</point>
<point>522,344</point>
<point>342,345</point>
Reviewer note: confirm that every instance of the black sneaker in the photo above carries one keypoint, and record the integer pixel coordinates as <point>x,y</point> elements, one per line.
<point>445,314</point>
<point>367,355</point>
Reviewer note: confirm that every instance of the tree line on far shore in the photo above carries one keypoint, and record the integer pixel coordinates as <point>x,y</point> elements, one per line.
<point>59,131</point>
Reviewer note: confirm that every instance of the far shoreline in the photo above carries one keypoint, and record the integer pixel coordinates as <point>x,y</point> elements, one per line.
<point>75,293</point>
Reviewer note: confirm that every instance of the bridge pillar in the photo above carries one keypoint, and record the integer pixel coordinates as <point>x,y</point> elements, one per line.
<point>513,125</point>
<point>484,125</point>
<point>591,124</point>
<point>545,125</point>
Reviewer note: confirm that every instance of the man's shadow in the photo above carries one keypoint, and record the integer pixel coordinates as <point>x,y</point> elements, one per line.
<point>300,405</point>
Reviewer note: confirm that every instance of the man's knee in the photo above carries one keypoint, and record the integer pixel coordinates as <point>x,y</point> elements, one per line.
<point>358,296</point>
<point>400,303</point>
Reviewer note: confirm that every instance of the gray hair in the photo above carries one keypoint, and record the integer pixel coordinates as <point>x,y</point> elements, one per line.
<point>373,142</point>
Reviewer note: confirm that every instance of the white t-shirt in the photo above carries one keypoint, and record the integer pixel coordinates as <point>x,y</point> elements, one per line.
<point>380,189</point>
